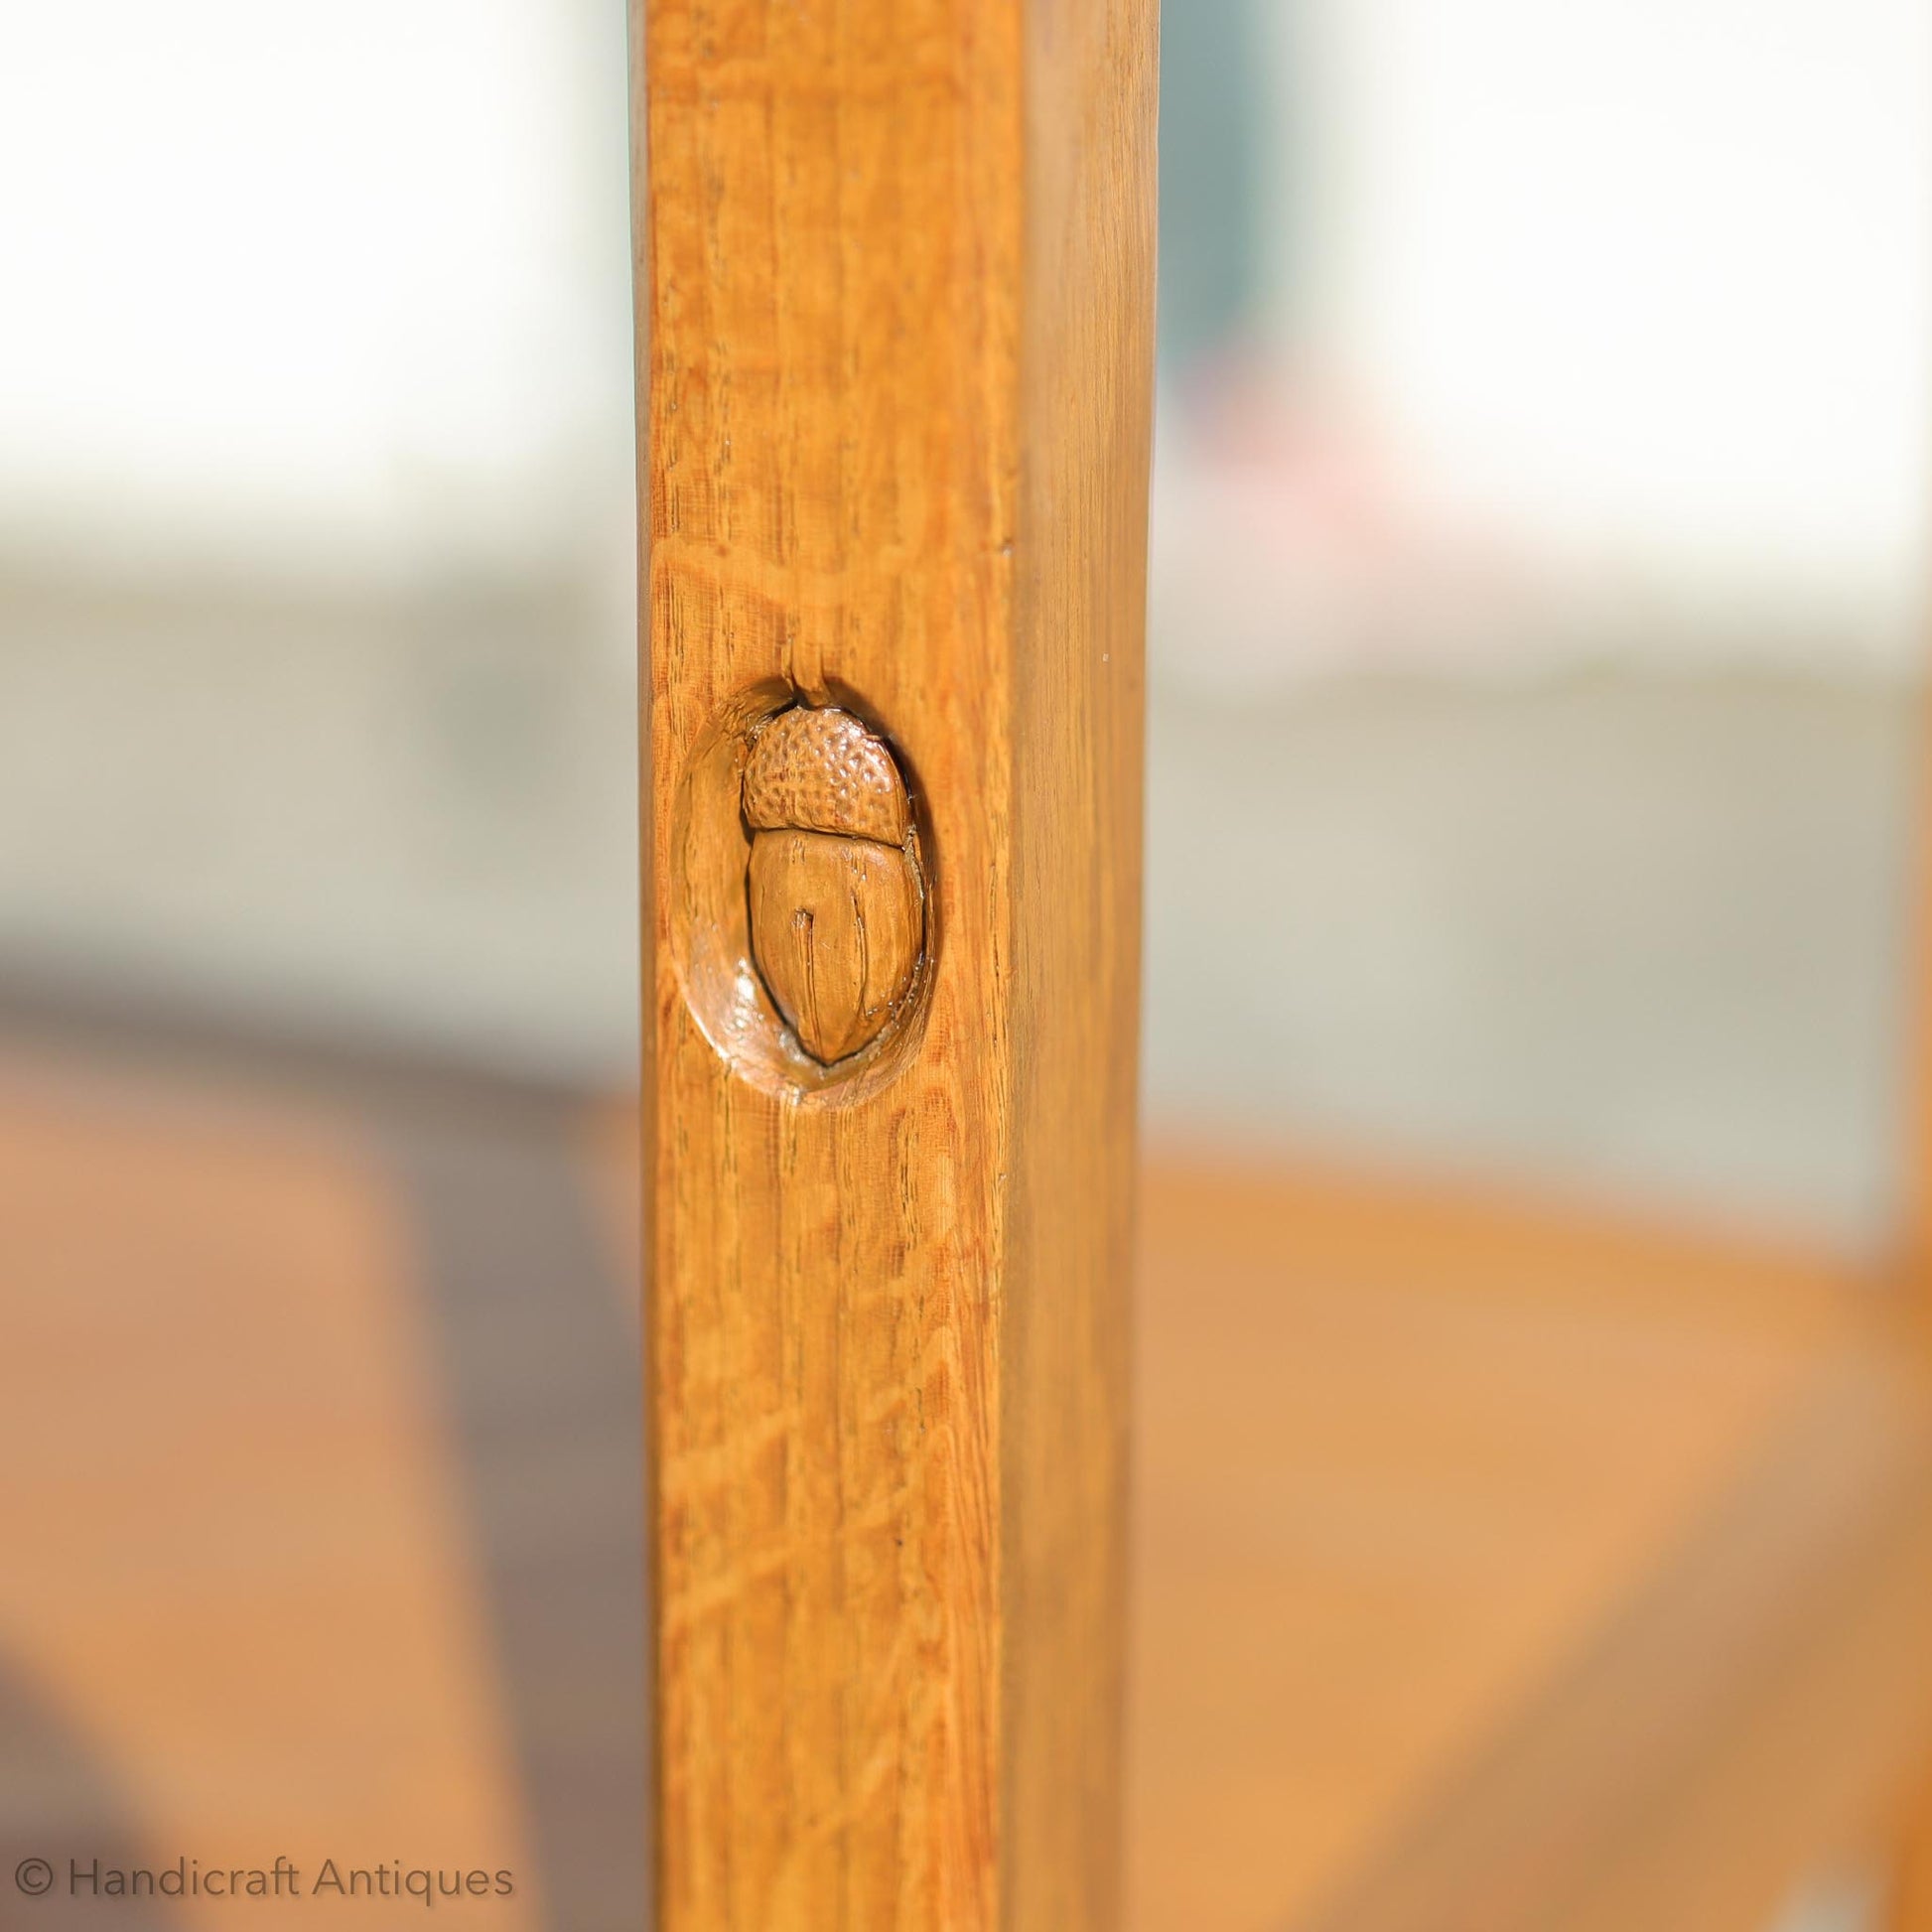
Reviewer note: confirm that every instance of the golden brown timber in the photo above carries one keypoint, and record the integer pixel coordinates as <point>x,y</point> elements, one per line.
<point>896,287</point>
<point>837,913</point>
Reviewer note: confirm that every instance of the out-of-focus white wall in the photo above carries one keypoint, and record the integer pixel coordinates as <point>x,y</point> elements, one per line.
<point>317,531</point>
<point>1595,329</point>
<point>1634,292</point>
<point>322,291</point>
<point>1647,277</point>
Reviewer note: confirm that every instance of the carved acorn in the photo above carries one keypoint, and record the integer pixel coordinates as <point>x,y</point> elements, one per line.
<point>837,904</point>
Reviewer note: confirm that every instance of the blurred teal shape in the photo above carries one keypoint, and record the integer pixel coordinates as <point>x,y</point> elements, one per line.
<point>1214,79</point>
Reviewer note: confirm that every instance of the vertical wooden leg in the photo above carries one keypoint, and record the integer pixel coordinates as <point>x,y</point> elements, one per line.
<point>896,290</point>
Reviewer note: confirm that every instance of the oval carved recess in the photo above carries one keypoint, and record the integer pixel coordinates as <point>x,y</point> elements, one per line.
<point>836,899</point>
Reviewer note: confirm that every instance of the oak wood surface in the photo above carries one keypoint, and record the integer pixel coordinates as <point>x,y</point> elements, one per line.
<point>238,1613</point>
<point>1490,1560</point>
<point>837,932</point>
<point>1502,1567</point>
<point>896,287</point>
<point>837,891</point>
<point>1910,1871</point>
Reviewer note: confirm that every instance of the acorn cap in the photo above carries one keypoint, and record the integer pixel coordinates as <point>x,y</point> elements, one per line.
<point>824,772</point>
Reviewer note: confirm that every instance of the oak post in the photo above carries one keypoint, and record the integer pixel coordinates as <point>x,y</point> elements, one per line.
<point>896,281</point>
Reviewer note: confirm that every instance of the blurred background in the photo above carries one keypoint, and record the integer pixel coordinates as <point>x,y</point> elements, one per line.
<point>1537,602</point>
<point>1538,557</point>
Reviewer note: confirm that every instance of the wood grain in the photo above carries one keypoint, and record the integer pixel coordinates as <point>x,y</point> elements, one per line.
<point>241,1587</point>
<point>1909,1906</point>
<point>837,909</point>
<point>836,927</point>
<point>1498,1569</point>
<point>897,283</point>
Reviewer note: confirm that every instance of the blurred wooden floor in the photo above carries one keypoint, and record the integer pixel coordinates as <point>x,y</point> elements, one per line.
<point>1494,1570</point>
